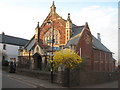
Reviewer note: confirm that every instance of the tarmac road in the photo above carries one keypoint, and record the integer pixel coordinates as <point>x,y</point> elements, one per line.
<point>10,82</point>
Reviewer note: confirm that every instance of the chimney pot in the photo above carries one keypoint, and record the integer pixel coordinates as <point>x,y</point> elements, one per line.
<point>98,37</point>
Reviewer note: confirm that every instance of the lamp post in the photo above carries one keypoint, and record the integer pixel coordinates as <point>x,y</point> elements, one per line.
<point>51,22</point>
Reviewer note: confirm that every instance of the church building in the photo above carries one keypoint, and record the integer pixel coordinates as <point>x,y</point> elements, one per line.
<point>66,34</point>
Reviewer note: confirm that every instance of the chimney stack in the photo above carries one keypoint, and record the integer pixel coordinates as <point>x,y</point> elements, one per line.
<point>98,37</point>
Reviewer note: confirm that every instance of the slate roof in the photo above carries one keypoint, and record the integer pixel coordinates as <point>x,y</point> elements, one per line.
<point>30,44</point>
<point>73,41</point>
<point>12,40</point>
<point>114,59</point>
<point>98,45</point>
<point>76,30</point>
<point>75,38</point>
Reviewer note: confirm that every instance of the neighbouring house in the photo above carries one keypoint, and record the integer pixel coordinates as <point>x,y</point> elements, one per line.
<point>96,56</point>
<point>9,46</point>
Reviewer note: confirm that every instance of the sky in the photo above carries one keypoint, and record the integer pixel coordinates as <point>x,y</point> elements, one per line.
<point>19,17</point>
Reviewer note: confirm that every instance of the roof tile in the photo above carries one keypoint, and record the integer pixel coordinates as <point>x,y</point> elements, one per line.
<point>12,40</point>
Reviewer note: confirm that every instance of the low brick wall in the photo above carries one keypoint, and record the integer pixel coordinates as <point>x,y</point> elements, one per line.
<point>77,78</point>
<point>74,78</point>
<point>35,73</point>
<point>90,78</point>
<point>67,78</point>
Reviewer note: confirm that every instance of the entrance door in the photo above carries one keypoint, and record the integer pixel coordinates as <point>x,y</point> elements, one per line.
<point>37,61</point>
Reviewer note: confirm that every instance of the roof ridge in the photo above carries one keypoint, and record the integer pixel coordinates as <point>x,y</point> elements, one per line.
<point>78,26</point>
<point>101,43</point>
<point>79,34</point>
<point>29,41</point>
<point>7,39</point>
<point>13,36</point>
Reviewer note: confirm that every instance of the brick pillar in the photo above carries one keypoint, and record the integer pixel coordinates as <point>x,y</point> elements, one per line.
<point>66,77</point>
<point>60,77</point>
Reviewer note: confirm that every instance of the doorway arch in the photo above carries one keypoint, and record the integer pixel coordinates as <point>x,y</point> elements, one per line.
<point>37,61</point>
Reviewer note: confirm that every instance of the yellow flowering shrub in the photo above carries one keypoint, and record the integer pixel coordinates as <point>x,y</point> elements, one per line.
<point>67,58</point>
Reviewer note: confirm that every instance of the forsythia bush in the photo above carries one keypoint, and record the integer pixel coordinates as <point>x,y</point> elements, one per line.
<point>67,58</point>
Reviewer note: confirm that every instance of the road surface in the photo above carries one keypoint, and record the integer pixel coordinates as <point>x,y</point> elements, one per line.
<point>8,81</point>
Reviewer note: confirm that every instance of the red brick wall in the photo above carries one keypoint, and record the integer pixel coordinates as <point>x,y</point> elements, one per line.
<point>102,61</point>
<point>59,24</point>
<point>96,61</point>
<point>86,49</point>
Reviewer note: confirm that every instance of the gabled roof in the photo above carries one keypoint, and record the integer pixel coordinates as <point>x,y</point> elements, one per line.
<point>30,43</point>
<point>76,36</point>
<point>76,30</point>
<point>114,59</point>
<point>98,45</point>
<point>73,41</point>
<point>12,40</point>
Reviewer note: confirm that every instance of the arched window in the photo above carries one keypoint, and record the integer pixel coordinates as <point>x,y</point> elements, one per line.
<point>56,39</point>
<point>56,36</point>
<point>48,37</point>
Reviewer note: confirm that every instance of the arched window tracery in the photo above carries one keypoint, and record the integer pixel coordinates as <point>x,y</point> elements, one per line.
<point>48,37</point>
